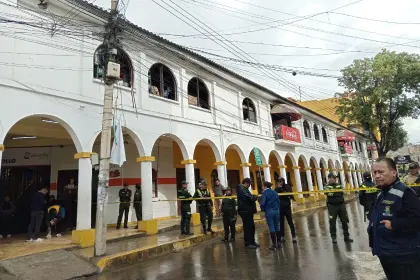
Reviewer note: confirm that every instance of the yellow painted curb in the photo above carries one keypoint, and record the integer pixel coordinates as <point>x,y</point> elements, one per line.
<point>83,238</point>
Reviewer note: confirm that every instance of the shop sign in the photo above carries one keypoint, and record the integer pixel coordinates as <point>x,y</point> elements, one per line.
<point>288,133</point>
<point>402,159</point>
<point>26,156</point>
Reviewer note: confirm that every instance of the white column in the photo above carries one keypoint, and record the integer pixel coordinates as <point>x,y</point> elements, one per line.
<point>355,182</point>
<point>297,180</point>
<point>84,194</point>
<point>350,179</point>
<point>147,188</point>
<point>221,173</point>
<point>190,178</point>
<point>283,173</point>
<point>326,171</point>
<point>359,176</point>
<point>309,180</point>
<point>267,174</point>
<point>319,179</point>
<point>342,177</point>
<point>245,171</point>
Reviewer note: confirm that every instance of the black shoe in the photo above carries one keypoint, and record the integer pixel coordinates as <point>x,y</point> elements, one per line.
<point>256,244</point>
<point>334,240</point>
<point>210,230</point>
<point>273,247</point>
<point>232,239</point>
<point>294,240</point>
<point>252,246</point>
<point>348,239</point>
<point>225,239</point>
<point>118,227</point>
<point>183,233</point>
<point>189,233</point>
<point>125,226</point>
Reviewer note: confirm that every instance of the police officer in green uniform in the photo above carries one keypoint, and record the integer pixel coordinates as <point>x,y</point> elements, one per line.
<point>137,203</point>
<point>367,195</point>
<point>337,207</point>
<point>185,208</point>
<point>125,199</point>
<point>205,206</point>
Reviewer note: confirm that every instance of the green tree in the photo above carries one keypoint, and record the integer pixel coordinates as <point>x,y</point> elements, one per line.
<point>381,92</point>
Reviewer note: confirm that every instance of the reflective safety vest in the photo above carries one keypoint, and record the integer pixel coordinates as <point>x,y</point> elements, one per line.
<point>385,242</point>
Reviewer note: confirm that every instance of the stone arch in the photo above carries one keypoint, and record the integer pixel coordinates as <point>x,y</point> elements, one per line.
<point>313,164</point>
<point>213,146</point>
<point>330,164</point>
<point>76,141</point>
<point>304,160</point>
<point>126,130</point>
<point>239,151</point>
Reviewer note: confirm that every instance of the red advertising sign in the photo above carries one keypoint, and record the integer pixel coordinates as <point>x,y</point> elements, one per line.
<point>288,133</point>
<point>348,148</point>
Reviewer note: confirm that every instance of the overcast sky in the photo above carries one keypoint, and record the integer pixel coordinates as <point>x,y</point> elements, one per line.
<point>315,38</point>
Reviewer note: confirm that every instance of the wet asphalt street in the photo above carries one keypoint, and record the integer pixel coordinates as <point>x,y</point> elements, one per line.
<point>313,258</point>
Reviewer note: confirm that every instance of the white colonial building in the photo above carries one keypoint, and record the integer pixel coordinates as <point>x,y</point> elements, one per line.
<point>183,116</point>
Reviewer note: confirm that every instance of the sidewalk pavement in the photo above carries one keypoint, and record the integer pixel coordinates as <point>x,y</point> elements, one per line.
<point>125,247</point>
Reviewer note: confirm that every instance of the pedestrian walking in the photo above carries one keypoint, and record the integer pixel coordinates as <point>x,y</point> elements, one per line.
<point>228,209</point>
<point>7,211</point>
<point>125,199</point>
<point>270,204</point>
<point>246,209</point>
<point>285,208</point>
<point>394,224</point>
<point>138,204</point>
<point>183,193</point>
<point>367,195</point>
<point>337,207</point>
<point>37,215</point>
<point>205,206</point>
<point>218,192</point>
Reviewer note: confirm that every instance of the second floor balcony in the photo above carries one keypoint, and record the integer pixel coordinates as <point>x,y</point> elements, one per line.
<point>286,135</point>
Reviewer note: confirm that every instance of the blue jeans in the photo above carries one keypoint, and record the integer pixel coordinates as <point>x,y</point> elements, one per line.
<point>273,220</point>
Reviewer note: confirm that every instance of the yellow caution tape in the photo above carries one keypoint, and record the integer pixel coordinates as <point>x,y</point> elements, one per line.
<point>280,194</point>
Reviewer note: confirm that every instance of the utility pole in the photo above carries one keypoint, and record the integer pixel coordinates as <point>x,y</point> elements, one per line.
<point>111,74</point>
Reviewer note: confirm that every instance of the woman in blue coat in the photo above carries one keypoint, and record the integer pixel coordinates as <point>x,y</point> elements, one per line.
<point>270,204</point>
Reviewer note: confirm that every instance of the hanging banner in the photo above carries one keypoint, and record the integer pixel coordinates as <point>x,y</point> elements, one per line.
<point>257,155</point>
<point>26,156</point>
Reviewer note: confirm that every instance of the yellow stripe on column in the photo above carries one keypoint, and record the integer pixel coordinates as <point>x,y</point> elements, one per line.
<point>296,167</point>
<point>144,159</point>
<point>1,147</point>
<point>266,165</point>
<point>189,161</point>
<point>308,168</point>
<point>246,164</point>
<point>83,155</point>
<point>220,163</point>
<point>282,166</point>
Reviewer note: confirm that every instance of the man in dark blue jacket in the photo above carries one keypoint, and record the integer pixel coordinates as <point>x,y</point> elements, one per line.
<point>394,224</point>
<point>37,214</point>
<point>246,209</point>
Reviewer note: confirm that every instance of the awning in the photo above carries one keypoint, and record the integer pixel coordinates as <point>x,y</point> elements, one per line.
<point>286,110</point>
<point>345,135</point>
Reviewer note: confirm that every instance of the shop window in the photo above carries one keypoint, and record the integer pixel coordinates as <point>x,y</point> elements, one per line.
<point>198,93</point>
<point>248,109</point>
<point>162,82</point>
<point>324,135</point>
<point>316,132</point>
<point>126,68</point>
<point>306,129</point>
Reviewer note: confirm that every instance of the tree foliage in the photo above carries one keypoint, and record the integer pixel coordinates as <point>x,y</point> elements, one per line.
<point>381,92</point>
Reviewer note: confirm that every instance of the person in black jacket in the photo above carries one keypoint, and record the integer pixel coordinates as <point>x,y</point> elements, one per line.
<point>37,215</point>
<point>394,224</point>
<point>125,199</point>
<point>367,197</point>
<point>247,207</point>
<point>138,204</point>
<point>183,193</point>
<point>228,209</point>
<point>285,208</point>
<point>7,211</point>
